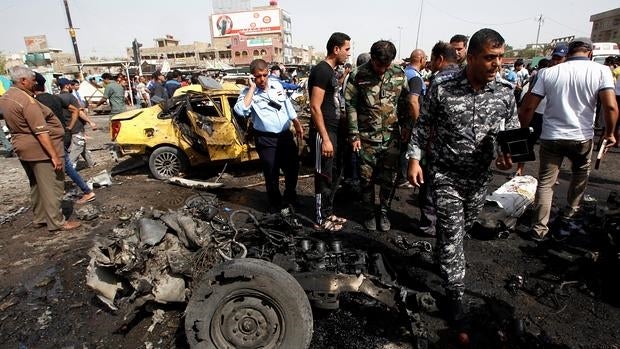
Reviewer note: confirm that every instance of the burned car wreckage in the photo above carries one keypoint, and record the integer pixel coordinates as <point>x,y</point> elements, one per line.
<point>197,126</point>
<point>248,282</point>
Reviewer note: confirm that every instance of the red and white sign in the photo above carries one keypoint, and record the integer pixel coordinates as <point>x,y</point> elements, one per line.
<point>37,43</point>
<point>246,23</point>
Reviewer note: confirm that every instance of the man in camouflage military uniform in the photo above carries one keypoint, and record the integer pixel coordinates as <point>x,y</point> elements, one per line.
<point>372,95</point>
<point>463,115</point>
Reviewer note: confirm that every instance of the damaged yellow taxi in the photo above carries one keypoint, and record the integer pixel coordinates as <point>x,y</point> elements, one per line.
<point>195,127</point>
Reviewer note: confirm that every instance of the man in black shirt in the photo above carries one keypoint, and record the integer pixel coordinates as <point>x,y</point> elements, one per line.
<point>76,126</point>
<point>325,128</point>
<point>59,105</point>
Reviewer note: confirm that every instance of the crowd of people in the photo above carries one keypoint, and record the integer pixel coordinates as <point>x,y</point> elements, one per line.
<point>434,124</point>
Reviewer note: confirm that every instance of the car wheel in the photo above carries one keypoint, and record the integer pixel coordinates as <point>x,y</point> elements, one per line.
<point>166,162</point>
<point>248,303</point>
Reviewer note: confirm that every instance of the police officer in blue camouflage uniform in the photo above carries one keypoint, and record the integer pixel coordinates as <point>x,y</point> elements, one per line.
<point>463,115</point>
<point>372,96</point>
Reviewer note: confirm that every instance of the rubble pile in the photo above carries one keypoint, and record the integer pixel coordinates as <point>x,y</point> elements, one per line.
<point>156,257</point>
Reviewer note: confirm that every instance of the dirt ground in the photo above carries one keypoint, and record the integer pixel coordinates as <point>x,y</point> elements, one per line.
<point>563,302</point>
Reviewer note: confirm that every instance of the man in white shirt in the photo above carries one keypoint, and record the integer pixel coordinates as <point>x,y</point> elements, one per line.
<point>571,90</point>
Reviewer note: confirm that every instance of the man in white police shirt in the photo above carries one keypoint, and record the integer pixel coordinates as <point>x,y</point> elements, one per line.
<point>272,114</point>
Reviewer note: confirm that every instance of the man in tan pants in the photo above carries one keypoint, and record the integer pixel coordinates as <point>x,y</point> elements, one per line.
<point>37,137</point>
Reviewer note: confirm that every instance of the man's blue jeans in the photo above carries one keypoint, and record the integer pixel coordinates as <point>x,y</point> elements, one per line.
<point>74,175</point>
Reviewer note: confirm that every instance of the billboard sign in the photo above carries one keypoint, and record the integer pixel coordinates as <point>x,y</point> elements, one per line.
<point>246,23</point>
<point>36,44</point>
<point>259,42</point>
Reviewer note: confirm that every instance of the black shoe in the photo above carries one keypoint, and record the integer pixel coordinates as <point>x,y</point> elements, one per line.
<point>454,309</point>
<point>371,223</point>
<point>384,221</point>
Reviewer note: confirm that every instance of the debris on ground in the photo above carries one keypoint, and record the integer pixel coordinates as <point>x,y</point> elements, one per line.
<point>515,283</point>
<point>7,217</point>
<point>87,212</point>
<point>406,243</point>
<point>7,303</point>
<point>189,183</point>
<point>102,179</point>
<point>158,318</point>
<point>151,255</point>
<point>44,319</point>
<point>129,164</point>
<point>504,206</point>
<point>161,257</point>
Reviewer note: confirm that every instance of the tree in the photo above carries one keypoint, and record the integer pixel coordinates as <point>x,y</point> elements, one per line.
<point>2,63</point>
<point>509,51</point>
<point>528,53</point>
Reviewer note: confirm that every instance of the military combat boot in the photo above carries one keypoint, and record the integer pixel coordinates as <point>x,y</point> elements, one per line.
<point>370,223</point>
<point>454,308</point>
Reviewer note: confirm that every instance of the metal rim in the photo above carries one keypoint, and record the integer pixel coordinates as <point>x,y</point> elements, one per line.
<point>167,164</point>
<point>248,319</point>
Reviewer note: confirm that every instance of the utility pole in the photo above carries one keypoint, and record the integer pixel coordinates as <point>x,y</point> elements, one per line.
<point>540,22</point>
<point>417,36</point>
<point>73,38</point>
<point>400,39</point>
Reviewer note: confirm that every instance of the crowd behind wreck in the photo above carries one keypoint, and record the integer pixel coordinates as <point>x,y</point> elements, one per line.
<point>431,125</point>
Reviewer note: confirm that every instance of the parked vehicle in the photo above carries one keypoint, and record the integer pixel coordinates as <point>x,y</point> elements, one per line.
<point>602,50</point>
<point>190,129</point>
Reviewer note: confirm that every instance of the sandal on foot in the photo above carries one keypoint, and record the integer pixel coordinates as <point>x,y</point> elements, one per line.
<point>86,198</point>
<point>337,220</point>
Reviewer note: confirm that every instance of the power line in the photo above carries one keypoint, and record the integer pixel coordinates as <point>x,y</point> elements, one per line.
<point>472,22</point>
<point>565,26</point>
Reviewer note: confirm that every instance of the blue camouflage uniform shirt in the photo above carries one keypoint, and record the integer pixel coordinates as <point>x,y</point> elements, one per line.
<point>461,125</point>
<point>265,116</point>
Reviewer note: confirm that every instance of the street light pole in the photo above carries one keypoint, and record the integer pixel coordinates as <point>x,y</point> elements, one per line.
<point>540,21</point>
<point>72,34</point>
<point>400,37</point>
<point>417,36</point>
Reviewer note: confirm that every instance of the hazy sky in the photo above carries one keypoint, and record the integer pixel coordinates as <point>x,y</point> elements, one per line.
<point>106,28</point>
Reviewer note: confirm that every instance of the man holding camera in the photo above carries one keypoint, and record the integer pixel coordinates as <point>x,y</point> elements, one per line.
<point>272,113</point>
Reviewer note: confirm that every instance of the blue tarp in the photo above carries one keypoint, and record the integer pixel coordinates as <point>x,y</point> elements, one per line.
<point>6,82</point>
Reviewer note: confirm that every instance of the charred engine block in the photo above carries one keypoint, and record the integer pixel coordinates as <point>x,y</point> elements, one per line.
<point>314,255</point>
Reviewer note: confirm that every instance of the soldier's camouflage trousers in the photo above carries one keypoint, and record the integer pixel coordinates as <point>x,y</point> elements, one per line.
<point>458,202</point>
<point>378,165</point>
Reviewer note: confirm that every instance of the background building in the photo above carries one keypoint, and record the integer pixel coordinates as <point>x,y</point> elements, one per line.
<point>197,55</point>
<point>263,32</point>
<point>606,26</point>
<point>41,57</point>
<point>239,34</point>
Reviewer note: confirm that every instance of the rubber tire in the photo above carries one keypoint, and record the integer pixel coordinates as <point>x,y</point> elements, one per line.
<point>241,275</point>
<point>181,159</point>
